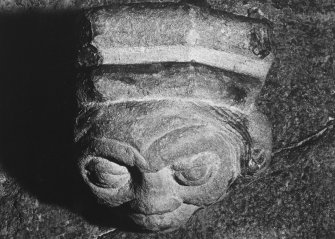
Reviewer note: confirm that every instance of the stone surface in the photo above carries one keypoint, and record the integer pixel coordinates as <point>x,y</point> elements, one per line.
<point>148,33</point>
<point>167,118</point>
<point>296,200</point>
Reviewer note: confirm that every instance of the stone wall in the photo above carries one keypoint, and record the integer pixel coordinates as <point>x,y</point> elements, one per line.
<point>40,194</point>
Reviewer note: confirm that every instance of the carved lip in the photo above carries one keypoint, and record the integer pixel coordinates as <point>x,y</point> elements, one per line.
<point>165,221</point>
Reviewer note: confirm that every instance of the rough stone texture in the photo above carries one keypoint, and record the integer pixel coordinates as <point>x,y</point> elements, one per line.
<point>167,118</point>
<point>294,200</point>
<point>149,33</point>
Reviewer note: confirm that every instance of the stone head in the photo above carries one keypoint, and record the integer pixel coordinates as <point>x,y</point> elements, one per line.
<point>167,107</point>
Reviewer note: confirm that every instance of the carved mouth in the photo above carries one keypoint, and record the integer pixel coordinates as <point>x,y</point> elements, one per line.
<point>166,221</point>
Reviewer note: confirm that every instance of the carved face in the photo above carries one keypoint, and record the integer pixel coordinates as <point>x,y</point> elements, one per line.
<point>163,157</point>
<point>168,106</point>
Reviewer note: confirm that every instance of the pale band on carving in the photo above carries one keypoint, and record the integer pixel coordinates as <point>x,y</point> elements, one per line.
<point>144,34</point>
<point>224,60</point>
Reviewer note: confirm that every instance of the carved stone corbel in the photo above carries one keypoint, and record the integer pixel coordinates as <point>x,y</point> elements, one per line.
<point>167,107</point>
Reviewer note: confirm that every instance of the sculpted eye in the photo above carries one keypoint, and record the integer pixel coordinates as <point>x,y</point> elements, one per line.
<point>106,174</point>
<point>197,170</point>
<point>195,176</point>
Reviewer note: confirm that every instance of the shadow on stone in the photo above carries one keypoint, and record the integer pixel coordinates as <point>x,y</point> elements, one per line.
<point>37,105</point>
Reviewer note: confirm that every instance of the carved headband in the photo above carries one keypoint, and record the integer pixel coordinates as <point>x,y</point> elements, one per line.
<point>149,33</point>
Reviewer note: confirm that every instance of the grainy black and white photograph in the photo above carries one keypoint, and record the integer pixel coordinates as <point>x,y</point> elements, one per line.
<point>169,119</point>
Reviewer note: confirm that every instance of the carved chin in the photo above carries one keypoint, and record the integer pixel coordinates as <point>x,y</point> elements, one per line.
<point>167,221</point>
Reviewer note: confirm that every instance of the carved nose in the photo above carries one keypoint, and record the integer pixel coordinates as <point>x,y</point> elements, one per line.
<point>155,194</point>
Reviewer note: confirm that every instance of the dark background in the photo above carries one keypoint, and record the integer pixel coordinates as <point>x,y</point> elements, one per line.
<point>38,110</point>
<point>37,99</point>
<point>41,195</point>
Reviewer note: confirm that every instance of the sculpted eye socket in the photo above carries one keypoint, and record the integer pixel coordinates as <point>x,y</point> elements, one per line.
<point>197,170</point>
<point>106,174</point>
<point>194,176</point>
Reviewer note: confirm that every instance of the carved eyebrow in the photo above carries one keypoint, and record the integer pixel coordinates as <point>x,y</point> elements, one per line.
<point>108,166</point>
<point>197,160</point>
<point>117,151</point>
